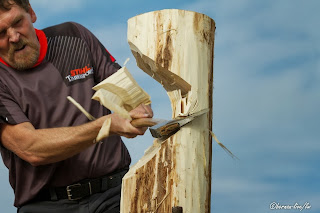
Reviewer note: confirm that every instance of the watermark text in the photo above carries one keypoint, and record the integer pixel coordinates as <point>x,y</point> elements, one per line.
<point>295,206</point>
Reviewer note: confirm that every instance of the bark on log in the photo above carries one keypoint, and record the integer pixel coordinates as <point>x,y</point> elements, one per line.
<point>175,47</point>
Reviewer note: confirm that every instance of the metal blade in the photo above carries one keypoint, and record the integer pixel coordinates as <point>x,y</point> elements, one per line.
<point>186,120</point>
<point>168,128</point>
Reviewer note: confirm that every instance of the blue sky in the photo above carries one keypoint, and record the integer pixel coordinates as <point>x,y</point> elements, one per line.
<point>266,94</point>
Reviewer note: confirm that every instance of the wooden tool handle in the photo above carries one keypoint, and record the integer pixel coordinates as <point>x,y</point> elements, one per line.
<point>144,122</point>
<point>169,129</point>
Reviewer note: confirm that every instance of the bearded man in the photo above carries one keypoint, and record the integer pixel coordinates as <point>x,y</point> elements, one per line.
<point>47,145</point>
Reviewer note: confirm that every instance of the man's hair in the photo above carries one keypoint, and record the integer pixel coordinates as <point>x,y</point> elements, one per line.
<point>7,4</point>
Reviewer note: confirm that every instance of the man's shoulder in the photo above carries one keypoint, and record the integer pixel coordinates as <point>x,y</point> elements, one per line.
<point>64,29</point>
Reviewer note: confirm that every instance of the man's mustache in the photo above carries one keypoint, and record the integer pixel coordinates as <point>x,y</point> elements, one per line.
<point>17,46</point>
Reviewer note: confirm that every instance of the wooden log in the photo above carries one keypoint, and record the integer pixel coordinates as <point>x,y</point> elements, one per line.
<point>175,47</point>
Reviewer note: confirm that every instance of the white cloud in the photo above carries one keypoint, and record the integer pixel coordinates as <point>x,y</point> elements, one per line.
<point>266,101</point>
<point>263,78</point>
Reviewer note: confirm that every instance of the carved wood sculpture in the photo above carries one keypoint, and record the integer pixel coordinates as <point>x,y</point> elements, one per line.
<point>175,47</point>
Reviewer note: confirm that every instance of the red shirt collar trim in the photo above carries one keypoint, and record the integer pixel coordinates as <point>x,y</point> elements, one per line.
<point>2,61</point>
<point>43,48</point>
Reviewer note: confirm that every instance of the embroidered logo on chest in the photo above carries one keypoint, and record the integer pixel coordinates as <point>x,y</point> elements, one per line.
<point>81,73</point>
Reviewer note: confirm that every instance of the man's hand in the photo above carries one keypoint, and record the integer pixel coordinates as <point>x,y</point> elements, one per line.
<point>123,127</point>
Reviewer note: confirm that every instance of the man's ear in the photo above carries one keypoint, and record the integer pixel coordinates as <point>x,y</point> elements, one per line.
<point>32,14</point>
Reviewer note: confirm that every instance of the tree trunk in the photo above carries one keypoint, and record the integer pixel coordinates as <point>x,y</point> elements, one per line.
<point>175,47</point>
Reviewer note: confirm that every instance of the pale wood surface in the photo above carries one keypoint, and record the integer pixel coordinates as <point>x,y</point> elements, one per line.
<point>120,93</point>
<point>175,47</point>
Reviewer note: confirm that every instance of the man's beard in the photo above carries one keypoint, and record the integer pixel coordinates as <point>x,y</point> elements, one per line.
<point>25,60</point>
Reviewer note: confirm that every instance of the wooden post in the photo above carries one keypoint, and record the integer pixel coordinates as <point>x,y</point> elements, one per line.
<point>175,47</point>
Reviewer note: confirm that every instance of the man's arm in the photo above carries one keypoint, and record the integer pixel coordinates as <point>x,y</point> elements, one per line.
<point>44,146</point>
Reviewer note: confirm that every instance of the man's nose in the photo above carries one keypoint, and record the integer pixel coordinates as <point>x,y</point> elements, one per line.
<point>14,36</point>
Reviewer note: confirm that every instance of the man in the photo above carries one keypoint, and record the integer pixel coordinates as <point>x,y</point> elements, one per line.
<point>46,143</point>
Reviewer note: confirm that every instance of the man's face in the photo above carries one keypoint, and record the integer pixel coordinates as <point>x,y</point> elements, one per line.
<point>19,45</point>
